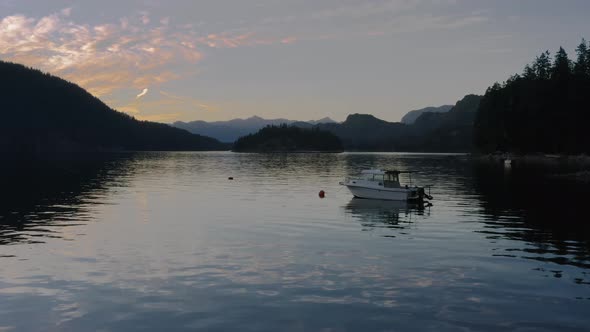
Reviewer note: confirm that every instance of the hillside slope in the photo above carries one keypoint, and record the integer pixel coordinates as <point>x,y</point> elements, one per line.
<point>412,116</point>
<point>42,113</point>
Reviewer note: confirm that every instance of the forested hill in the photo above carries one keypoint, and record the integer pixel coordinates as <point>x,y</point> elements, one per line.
<point>286,138</point>
<point>435,132</point>
<point>411,116</point>
<point>41,113</point>
<point>544,109</point>
<point>230,131</point>
<point>448,132</point>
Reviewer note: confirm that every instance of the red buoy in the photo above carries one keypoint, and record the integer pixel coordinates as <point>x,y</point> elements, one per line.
<point>322,194</point>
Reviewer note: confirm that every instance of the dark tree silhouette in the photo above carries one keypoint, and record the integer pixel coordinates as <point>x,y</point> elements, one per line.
<point>561,66</point>
<point>546,112</point>
<point>529,73</point>
<point>286,138</point>
<point>542,66</point>
<point>581,66</point>
<point>42,114</point>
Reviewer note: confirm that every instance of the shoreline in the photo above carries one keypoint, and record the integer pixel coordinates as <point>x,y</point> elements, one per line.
<point>556,166</point>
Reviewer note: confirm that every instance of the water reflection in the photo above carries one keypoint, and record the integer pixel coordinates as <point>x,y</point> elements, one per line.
<point>45,197</point>
<point>170,243</point>
<point>543,217</point>
<point>373,213</point>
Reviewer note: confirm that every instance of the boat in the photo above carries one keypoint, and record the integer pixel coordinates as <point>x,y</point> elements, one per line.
<point>384,185</point>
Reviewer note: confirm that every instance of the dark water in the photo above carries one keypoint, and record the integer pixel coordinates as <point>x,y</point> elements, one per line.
<point>164,241</point>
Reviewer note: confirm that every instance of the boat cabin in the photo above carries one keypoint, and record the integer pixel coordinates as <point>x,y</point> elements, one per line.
<point>389,179</point>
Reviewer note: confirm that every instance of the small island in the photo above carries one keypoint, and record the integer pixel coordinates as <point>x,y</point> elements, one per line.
<point>286,138</point>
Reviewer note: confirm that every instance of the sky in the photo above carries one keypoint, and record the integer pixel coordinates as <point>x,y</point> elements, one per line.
<point>185,60</point>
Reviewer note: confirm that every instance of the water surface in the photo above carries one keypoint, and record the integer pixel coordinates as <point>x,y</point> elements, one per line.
<point>164,241</point>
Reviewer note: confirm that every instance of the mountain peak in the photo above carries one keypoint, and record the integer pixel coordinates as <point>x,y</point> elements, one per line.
<point>411,116</point>
<point>322,120</point>
<point>356,117</point>
<point>364,121</point>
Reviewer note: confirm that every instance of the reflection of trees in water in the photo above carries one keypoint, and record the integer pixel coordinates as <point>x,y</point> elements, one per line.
<point>279,165</point>
<point>548,216</point>
<point>374,214</point>
<point>42,197</point>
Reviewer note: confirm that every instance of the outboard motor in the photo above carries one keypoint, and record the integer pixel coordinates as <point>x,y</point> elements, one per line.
<point>422,194</point>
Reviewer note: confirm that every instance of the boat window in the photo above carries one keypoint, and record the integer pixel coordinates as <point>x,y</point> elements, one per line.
<point>370,177</point>
<point>392,177</point>
<point>391,180</point>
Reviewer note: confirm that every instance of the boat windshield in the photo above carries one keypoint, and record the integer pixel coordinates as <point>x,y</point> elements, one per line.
<point>391,180</point>
<point>371,177</point>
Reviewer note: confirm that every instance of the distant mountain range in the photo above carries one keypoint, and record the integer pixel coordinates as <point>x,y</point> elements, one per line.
<point>440,129</point>
<point>42,114</point>
<point>230,131</point>
<point>438,132</point>
<point>412,116</point>
<point>45,114</point>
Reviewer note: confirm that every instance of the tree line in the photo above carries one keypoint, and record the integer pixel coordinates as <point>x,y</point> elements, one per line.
<point>285,138</point>
<point>545,109</point>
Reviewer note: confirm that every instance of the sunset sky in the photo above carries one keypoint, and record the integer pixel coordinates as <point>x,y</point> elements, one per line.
<point>305,59</point>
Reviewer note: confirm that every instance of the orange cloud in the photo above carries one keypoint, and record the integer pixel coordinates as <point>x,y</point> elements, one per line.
<point>228,40</point>
<point>176,107</point>
<point>101,58</point>
<point>289,40</point>
<point>188,102</point>
<point>165,117</point>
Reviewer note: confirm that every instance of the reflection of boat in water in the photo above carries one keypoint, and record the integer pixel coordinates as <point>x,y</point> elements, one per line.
<point>384,185</point>
<point>377,204</point>
<point>371,211</point>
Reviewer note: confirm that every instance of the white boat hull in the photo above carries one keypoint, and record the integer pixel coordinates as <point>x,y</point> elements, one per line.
<point>397,194</point>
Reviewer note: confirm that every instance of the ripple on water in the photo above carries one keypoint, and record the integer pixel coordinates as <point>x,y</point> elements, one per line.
<point>165,241</point>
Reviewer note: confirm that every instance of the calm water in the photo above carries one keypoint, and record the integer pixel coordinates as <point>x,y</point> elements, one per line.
<point>164,241</point>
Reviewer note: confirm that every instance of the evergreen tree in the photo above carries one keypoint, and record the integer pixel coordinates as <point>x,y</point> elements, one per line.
<point>542,66</point>
<point>581,65</point>
<point>561,66</point>
<point>529,73</point>
<point>546,110</point>
<point>512,79</point>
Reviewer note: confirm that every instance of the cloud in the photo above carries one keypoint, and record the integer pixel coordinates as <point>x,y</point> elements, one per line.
<point>145,18</point>
<point>164,117</point>
<point>132,52</point>
<point>176,107</point>
<point>143,93</point>
<point>289,40</point>
<point>234,40</point>
<point>101,58</point>
<point>66,12</point>
<point>129,109</point>
<point>342,20</point>
<point>188,103</point>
